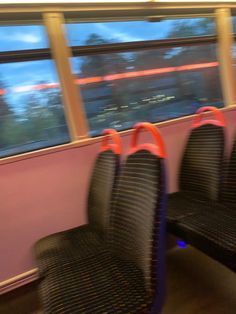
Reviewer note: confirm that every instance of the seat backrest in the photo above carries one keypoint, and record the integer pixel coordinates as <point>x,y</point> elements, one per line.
<point>137,227</point>
<point>228,195</point>
<point>202,162</point>
<point>102,181</point>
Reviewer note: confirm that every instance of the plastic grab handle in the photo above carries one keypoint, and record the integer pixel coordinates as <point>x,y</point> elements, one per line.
<point>219,118</point>
<point>115,137</point>
<point>158,148</point>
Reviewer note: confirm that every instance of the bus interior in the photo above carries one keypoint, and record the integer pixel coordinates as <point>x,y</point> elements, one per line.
<point>118,157</point>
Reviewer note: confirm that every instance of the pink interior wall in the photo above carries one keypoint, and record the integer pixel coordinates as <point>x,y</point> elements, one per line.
<point>47,194</point>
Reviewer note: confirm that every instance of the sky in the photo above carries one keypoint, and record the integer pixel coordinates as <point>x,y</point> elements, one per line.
<point>20,37</point>
<point>123,31</point>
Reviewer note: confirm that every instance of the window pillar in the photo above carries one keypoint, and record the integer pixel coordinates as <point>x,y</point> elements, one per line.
<point>225,51</point>
<point>61,53</point>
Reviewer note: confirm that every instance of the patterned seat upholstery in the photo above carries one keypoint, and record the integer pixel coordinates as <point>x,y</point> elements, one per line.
<point>228,195</point>
<point>213,231</point>
<point>181,205</point>
<point>208,223</point>
<point>67,245</point>
<point>127,275</point>
<point>200,173</point>
<point>84,240</point>
<point>99,284</point>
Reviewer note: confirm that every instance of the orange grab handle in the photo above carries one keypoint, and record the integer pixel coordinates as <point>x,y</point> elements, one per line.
<point>158,148</point>
<point>219,118</point>
<point>115,137</point>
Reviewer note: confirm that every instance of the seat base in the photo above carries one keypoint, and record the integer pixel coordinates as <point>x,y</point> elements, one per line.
<point>99,284</point>
<point>66,246</point>
<point>181,205</point>
<point>208,226</point>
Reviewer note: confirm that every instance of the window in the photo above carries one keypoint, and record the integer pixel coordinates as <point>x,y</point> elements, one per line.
<point>123,84</point>
<point>234,23</point>
<point>31,111</point>
<point>127,71</point>
<point>80,34</point>
<point>23,37</point>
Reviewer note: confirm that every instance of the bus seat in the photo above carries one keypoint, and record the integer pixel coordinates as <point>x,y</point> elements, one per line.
<point>201,168</point>
<point>210,225</point>
<point>85,240</point>
<point>213,231</point>
<point>128,275</point>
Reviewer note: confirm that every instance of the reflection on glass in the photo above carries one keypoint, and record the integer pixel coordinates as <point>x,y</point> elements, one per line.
<point>130,31</point>
<point>234,24</point>
<point>31,112</point>
<point>120,89</point>
<point>22,37</point>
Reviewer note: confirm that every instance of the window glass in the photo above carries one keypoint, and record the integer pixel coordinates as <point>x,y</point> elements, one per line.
<point>234,23</point>
<point>22,37</point>
<point>31,112</point>
<point>131,31</point>
<point>120,89</point>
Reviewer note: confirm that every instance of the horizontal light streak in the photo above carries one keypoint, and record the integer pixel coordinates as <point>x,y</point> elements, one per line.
<point>134,74</point>
<point>27,88</point>
<point>114,77</point>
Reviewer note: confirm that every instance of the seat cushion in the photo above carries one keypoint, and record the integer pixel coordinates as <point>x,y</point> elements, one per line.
<point>213,232</point>
<point>182,204</point>
<point>99,284</point>
<point>66,246</point>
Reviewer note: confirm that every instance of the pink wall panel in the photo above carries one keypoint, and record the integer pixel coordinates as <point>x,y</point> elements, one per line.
<point>47,194</point>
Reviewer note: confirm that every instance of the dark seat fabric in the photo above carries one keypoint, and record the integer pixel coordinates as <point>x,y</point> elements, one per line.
<point>200,174</point>
<point>201,169</point>
<point>99,284</point>
<point>137,229</point>
<point>207,224</point>
<point>228,195</point>
<point>127,275</point>
<point>213,231</point>
<point>84,240</point>
<point>66,246</point>
<point>182,204</point>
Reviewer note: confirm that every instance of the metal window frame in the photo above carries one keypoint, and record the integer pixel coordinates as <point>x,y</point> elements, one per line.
<point>46,53</point>
<point>142,45</point>
<point>25,55</point>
